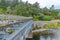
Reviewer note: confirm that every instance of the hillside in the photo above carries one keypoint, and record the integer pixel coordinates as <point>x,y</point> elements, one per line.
<point>58,10</point>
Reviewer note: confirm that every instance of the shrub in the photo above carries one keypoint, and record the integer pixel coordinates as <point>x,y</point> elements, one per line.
<point>41,16</point>
<point>9,30</point>
<point>52,25</point>
<point>2,10</point>
<point>47,18</point>
<point>35,18</point>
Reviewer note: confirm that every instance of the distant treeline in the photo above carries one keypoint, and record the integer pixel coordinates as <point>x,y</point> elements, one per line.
<point>26,9</point>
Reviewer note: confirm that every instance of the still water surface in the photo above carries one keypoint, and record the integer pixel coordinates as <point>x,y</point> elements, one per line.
<point>55,36</point>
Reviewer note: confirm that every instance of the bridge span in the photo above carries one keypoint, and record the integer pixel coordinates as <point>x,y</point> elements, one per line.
<point>21,33</point>
<point>22,28</point>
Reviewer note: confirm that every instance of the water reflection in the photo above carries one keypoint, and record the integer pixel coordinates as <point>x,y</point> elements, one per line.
<point>48,36</point>
<point>54,35</point>
<point>44,38</point>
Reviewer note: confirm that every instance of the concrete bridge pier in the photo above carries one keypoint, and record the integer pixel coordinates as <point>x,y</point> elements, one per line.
<point>29,36</point>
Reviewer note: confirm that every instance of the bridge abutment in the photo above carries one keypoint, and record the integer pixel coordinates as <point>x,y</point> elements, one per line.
<point>29,35</point>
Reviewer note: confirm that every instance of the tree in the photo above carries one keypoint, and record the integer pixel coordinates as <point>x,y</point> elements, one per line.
<point>52,7</point>
<point>46,11</point>
<point>27,3</point>
<point>26,9</point>
<point>54,13</point>
<point>36,4</point>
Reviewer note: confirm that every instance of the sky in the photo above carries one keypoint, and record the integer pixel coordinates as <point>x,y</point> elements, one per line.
<point>46,3</point>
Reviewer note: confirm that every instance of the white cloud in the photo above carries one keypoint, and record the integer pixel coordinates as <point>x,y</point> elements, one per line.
<point>44,3</point>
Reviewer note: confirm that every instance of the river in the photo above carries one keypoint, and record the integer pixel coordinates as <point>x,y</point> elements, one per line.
<point>55,35</point>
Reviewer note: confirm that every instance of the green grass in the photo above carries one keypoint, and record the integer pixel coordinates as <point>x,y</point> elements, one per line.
<point>52,25</point>
<point>2,24</point>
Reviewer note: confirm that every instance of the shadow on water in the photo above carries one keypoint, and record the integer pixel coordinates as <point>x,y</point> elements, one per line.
<point>36,36</point>
<point>45,35</point>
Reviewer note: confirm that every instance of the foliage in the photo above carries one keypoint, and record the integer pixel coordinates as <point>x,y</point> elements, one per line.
<point>26,9</point>
<point>35,18</point>
<point>47,18</point>
<point>58,16</point>
<point>9,30</point>
<point>36,36</point>
<point>52,25</point>
<point>48,25</point>
<point>2,24</point>
<point>2,10</point>
<point>41,16</point>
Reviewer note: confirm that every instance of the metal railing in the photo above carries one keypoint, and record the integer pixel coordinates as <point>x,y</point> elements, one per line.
<point>21,31</point>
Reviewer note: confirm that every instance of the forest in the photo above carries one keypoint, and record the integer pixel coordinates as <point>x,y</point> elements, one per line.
<point>21,8</point>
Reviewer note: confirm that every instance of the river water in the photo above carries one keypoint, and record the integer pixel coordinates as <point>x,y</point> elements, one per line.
<point>55,36</point>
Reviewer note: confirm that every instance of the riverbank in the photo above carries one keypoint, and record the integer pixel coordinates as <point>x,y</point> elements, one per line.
<point>47,35</point>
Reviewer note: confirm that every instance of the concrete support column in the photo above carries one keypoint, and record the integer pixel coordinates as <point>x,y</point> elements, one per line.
<point>30,36</point>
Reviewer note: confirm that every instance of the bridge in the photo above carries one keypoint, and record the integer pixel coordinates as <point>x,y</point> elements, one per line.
<point>22,27</point>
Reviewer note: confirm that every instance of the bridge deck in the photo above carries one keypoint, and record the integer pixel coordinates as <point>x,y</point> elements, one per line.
<point>18,28</point>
